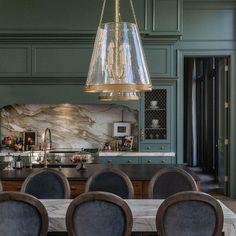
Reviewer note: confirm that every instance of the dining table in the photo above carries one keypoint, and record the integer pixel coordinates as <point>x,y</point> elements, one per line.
<point>143,211</point>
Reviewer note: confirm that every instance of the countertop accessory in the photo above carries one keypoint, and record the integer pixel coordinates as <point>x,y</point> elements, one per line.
<point>82,157</point>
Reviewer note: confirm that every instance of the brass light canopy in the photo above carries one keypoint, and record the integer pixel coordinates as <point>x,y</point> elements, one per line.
<point>118,67</point>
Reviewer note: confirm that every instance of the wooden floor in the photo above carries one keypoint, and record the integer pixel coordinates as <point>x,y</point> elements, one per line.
<point>209,185</point>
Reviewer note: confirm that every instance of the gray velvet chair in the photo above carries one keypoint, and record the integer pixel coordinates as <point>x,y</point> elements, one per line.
<point>111,180</point>
<point>100,214</point>
<point>22,215</point>
<point>47,184</point>
<point>189,213</point>
<point>170,180</point>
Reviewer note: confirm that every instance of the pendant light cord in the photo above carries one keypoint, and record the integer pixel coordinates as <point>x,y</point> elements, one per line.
<point>133,12</point>
<point>132,9</point>
<point>102,13</point>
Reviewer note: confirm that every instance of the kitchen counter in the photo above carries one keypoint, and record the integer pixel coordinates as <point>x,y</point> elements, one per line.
<point>135,172</point>
<point>140,176</point>
<point>154,154</point>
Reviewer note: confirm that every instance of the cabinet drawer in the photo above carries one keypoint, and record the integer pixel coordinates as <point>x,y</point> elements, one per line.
<point>76,187</point>
<point>12,185</point>
<point>149,147</point>
<point>119,160</point>
<point>156,160</point>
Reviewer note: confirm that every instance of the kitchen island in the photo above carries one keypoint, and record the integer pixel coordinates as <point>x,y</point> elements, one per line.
<point>140,176</point>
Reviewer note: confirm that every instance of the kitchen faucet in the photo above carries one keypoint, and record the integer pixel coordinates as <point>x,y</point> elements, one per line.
<point>47,139</point>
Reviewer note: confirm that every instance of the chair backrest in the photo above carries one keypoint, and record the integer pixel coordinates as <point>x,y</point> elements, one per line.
<point>170,180</point>
<point>47,184</point>
<point>189,213</point>
<point>100,214</point>
<point>22,215</point>
<point>110,180</point>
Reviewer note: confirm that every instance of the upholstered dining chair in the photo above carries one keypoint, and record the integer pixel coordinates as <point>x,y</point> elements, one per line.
<point>99,213</point>
<point>110,180</point>
<point>47,184</point>
<point>189,213</point>
<point>170,180</point>
<point>22,215</point>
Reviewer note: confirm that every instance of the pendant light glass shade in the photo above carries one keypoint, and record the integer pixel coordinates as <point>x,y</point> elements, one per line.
<point>118,62</point>
<point>119,96</point>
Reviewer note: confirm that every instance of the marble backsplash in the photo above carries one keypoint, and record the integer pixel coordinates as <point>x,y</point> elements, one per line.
<point>72,126</point>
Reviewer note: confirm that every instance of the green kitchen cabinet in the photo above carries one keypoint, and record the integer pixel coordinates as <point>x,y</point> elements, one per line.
<point>15,60</point>
<point>157,118</point>
<point>167,18</point>
<point>60,60</point>
<point>157,160</point>
<point>118,160</point>
<point>160,60</point>
<point>59,17</point>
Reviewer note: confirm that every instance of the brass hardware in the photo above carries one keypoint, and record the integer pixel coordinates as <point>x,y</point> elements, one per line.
<point>226,68</point>
<point>226,178</point>
<point>226,105</point>
<point>141,134</point>
<point>226,141</point>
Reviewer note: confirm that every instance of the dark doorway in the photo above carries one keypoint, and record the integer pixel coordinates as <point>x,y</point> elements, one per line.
<point>206,115</point>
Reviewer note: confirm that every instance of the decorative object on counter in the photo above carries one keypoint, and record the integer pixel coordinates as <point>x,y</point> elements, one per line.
<point>18,144</point>
<point>19,164</point>
<point>30,139</point>
<point>121,129</point>
<point>128,143</point>
<point>9,159</point>
<point>118,62</point>
<point>82,157</point>
<point>107,147</point>
<point>8,141</point>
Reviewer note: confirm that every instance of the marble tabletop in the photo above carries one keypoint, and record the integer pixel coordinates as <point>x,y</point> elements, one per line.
<point>143,210</point>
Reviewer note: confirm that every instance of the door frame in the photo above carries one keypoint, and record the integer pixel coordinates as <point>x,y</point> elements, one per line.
<point>181,54</point>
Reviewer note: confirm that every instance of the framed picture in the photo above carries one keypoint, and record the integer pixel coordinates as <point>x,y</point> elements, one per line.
<point>128,143</point>
<point>29,139</point>
<point>121,129</point>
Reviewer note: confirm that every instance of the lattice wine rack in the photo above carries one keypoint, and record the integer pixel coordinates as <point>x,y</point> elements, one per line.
<point>156,114</point>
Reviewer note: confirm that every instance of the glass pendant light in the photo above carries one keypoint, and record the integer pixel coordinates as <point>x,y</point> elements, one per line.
<point>118,66</point>
<point>119,96</point>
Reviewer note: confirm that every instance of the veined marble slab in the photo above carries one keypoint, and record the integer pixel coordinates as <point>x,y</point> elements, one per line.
<point>142,154</point>
<point>143,210</point>
<point>72,125</point>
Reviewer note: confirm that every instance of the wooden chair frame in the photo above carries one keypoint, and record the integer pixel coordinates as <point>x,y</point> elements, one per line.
<point>102,196</point>
<point>190,196</point>
<point>169,170</point>
<point>118,172</point>
<point>31,200</point>
<point>56,172</point>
